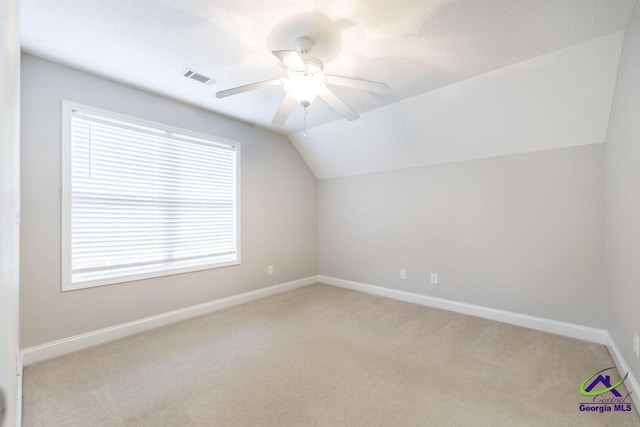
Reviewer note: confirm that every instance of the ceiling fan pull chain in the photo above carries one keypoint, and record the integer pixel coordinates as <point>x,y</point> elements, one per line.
<point>304,134</point>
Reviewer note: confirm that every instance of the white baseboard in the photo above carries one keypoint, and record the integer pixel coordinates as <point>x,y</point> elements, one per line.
<point>553,326</point>
<point>78,342</point>
<point>631,383</point>
<point>19,391</point>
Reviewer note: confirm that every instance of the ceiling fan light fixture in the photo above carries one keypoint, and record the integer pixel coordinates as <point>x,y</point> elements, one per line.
<point>304,88</point>
<point>305,81</point>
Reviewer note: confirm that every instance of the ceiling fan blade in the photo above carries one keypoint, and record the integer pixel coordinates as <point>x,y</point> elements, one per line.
<point>283,110</point>
<point>246,88</point>
<point>358,84</point>
<point>338,105</point>
<point>291,59</point>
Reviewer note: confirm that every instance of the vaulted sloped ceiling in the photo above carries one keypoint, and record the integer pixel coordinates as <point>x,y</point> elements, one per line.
<point>560,99</point>
<point>425,50</point>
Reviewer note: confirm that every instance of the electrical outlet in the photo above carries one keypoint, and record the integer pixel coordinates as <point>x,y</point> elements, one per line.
<point>636,344</point>
<point>270,270</point>
<point>434,278</point>
<point>403,274</point>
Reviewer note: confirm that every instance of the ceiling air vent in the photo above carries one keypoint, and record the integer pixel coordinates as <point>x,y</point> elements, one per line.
<point>193,75</point>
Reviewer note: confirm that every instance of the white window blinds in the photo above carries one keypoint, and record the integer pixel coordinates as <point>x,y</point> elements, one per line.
<point>144,201</point>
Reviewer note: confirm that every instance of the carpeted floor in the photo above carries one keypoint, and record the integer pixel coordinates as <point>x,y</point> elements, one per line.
<point>322,356</point>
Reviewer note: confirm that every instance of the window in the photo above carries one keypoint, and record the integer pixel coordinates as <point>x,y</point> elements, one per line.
<point>143,200</point>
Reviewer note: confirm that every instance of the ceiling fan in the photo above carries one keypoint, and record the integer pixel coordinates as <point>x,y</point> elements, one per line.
<point>305,81</point>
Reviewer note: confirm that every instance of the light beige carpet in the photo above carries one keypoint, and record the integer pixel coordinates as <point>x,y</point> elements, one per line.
<point>322,356</point>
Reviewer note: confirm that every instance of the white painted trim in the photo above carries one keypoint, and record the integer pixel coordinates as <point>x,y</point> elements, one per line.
<point>19,367</point>
<point>539,323</point>
<point>10,206</point>
<point>631,383</point>
<point>78,342</point>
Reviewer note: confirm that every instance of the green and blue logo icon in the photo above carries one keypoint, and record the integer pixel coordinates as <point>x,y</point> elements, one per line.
<point>604,393</point>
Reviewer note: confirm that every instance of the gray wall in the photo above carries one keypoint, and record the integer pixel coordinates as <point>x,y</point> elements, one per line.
<point>623,200</point>
<point>279,225</point>
<point>522,233</point>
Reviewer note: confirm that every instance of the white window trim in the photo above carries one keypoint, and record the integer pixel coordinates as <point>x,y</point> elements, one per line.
<point>66,284</point>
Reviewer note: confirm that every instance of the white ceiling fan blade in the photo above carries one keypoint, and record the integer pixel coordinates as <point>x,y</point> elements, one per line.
<point>358,84</point>
<point>246,88</point>
<point>284,109</point>
<point>338,105</point>
<point>291,59</point>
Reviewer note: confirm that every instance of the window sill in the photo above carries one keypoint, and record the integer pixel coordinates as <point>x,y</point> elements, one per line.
<point>147,273</point>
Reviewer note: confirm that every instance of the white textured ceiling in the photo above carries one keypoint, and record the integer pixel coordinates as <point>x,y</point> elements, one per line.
<point>414,46</point>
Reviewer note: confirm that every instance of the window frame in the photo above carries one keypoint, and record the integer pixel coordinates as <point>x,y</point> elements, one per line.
<point>66,196</point>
